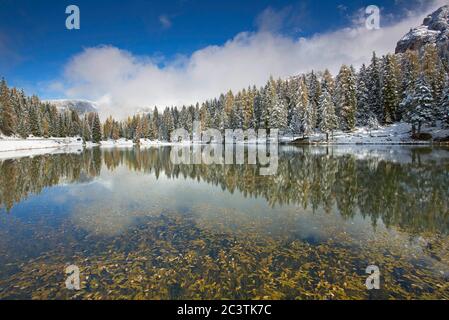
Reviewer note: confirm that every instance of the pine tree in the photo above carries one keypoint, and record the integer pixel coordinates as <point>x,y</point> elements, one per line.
<point>169,124</point>
<point>434,74</point>
<point>96,129</point>
<point>307,120</point>
<point>7,125</point>
<point>228,106</point>
<point>420,107</point>
<point>410,73</point>
<point>23,128</point>
<point>329,120</point>
<point>444,107</point>
<point>295,108</point>
<point>314,87</point>
<point>328,83</point>
<point>86,132</point>
<point>248,108</point>
<point>75,124</point>
<point>35,121</point>
<point>346,98</point>
<point>375,87</point>
<point>278,116</point>
<point>155,124</point>
<point>390,90</point>
<point>364,111</point>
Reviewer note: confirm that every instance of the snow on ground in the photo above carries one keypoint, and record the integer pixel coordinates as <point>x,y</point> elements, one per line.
<point>17,144</point>
<point>116,143</point>
<point>398,133</point>
<point>38,152</point>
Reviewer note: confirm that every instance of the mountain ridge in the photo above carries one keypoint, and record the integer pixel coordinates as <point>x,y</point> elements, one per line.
<point>433,30</point>
<point>81,106</point>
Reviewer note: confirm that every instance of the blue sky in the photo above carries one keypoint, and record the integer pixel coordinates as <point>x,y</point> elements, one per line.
<point>35,46</point>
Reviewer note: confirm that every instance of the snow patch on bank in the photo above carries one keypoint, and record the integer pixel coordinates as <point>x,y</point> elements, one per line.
<point>17,144</point>
<point>398,133</point>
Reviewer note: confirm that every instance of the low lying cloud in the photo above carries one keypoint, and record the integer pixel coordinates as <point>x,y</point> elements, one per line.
<point>122,82</point>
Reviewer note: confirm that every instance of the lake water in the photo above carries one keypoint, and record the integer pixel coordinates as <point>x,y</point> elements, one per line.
<point>140,227</point>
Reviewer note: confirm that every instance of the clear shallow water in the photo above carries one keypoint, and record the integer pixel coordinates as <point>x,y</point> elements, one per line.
<point>140,227</point>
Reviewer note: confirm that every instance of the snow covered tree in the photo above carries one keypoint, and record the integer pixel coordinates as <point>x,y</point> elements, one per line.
<point>346,95</point>
<point>228,106</point>
<point>155,125</point>
<point>307,120</point>
<point>86,131</point>
<point>444,107</point>
<point>7,116</point>
<point>96,129</point>
<point>328,83</point>
<point>169,124</point>
<point>75,128</point>
<point>364,111</point>
<point>420,106</point>
<point>294,107</point>
<point>390,90</point>
<point>247,102</point>
<point>35,121</point>
<point>314,88</point>
<point>410,69</point>
<point>275,110</point>
<point>375,87</point>
<point>329,119</point>
<point>278,114</point>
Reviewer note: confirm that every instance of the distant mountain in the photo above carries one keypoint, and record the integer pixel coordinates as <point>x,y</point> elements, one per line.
<point>434,30</point>
<point>80,106</point>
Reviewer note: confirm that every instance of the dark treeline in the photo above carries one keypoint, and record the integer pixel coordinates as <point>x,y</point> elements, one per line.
<point>413,195</point>
<point>25,116</point>
<point>411,87</point>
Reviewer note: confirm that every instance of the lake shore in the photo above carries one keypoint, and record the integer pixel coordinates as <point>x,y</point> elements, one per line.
<point>396,134</point>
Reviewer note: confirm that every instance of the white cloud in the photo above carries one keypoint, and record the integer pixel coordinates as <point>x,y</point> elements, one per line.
<point>122,82</point>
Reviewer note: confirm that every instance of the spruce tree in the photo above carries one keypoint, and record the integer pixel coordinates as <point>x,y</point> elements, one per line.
<point>420,108</point>
<point>314,88</point>
<point>327,110</point>
<point>7,125</point>
<point>35,121</point>
<point>375,87</point>
<point>278,114</point>
<point>307,120</point>
<point>96,129</point>
<point>346,98</point>
<point>444,107</point>
<point>390,90</point>
<point>364,111</point>
<point>86,131</point>
<point>296,107</point>
<point>328,83</point>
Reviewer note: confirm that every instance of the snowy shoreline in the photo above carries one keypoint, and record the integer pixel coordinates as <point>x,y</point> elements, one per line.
<point>396,134</point>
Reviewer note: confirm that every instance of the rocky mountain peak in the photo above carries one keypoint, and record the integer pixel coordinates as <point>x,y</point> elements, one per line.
<point>434,30</point>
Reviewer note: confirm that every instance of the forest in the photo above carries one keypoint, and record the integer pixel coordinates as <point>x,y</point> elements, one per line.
<point>412,87</point>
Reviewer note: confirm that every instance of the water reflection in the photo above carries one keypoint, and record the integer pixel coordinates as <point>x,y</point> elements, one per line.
<point>140,227</point>
<point>402,187</point>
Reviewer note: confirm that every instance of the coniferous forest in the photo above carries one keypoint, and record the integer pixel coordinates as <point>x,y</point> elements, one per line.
<point>411,87</point>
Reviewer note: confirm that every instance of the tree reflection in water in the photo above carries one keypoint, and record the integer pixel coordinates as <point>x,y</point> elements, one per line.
<point>408,191</point>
